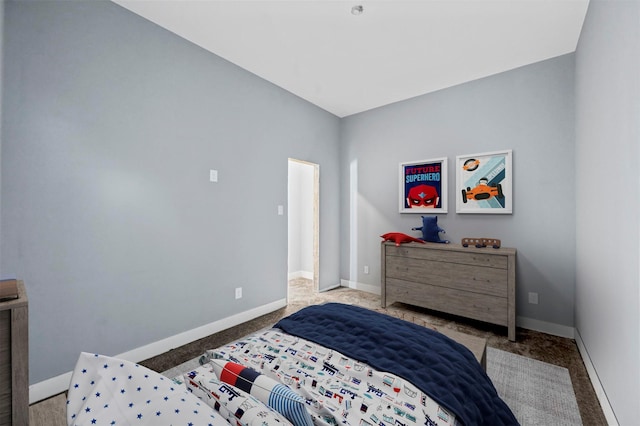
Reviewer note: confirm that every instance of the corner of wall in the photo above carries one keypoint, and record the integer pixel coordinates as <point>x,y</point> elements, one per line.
<point>595,382</point>
<point>360,286</point>
<point>546,327</point>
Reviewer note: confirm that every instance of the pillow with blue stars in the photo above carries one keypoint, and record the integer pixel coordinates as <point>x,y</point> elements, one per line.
<point>111,391</point>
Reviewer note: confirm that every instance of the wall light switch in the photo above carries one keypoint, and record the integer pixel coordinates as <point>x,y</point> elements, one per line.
<point>213,175</point>
<point>533,298</point>
<point>280,210</point>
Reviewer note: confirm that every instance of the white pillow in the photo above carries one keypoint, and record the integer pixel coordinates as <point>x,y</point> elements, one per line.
<point>105,391</point>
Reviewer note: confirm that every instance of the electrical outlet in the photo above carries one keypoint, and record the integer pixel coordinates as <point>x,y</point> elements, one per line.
<point>366,269</point>
<point>533,298</point>
<point>213,175</point>
<point>238,292</point>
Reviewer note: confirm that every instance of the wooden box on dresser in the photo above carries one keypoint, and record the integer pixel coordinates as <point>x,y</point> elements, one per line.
<point>477,283</point>
<point>14,360</point>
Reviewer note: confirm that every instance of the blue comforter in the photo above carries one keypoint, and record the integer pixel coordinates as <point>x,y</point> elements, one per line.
<point>436,364</point>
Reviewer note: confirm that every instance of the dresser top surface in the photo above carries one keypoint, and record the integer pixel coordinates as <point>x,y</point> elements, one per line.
<point>15,303</point>
<point>506,251</point>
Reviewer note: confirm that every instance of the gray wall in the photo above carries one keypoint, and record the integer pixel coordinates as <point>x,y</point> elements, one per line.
<point>608,199</point>
<point>110,127</point>
<point>529,110</point>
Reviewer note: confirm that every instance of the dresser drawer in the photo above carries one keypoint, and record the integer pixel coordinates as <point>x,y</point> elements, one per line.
<point>463,303</point>
<point>476,279</point>
<point>450,256</point>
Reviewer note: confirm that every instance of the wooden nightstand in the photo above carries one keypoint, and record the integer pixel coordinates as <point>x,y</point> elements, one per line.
<point>14,360</point>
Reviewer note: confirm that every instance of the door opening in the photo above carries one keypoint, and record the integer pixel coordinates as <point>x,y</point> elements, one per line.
<point>303,223</point>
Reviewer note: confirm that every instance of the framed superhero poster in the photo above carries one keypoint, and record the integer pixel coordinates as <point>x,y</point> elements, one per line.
<point>423,186</point>
<point>483,183</point>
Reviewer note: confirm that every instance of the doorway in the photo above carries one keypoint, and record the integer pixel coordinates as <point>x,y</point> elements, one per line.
<point>303,226</point>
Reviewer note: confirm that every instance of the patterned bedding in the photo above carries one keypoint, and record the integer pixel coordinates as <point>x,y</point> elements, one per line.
<point>436,364</point>
<point>337,389</point>
<point>326,365</point>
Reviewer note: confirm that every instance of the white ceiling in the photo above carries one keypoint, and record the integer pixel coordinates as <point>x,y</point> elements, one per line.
<point>393,51</point>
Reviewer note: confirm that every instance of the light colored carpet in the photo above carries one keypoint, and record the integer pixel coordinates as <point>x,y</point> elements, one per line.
<point>538,393</point>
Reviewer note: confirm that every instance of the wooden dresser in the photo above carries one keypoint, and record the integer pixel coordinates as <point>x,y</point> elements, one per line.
<point>477,283</point>
<point>14,360</point>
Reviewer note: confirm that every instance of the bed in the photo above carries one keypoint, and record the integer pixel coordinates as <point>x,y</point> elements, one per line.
<point>324,365</point>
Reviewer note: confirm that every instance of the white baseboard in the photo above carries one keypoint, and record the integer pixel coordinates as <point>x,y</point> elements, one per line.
<point>375,289</point>
<point>56,385</point>
<point>595,381</point>
<point>50,387</point>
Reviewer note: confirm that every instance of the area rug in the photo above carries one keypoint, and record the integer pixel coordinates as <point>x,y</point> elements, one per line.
<point>538,393</point>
